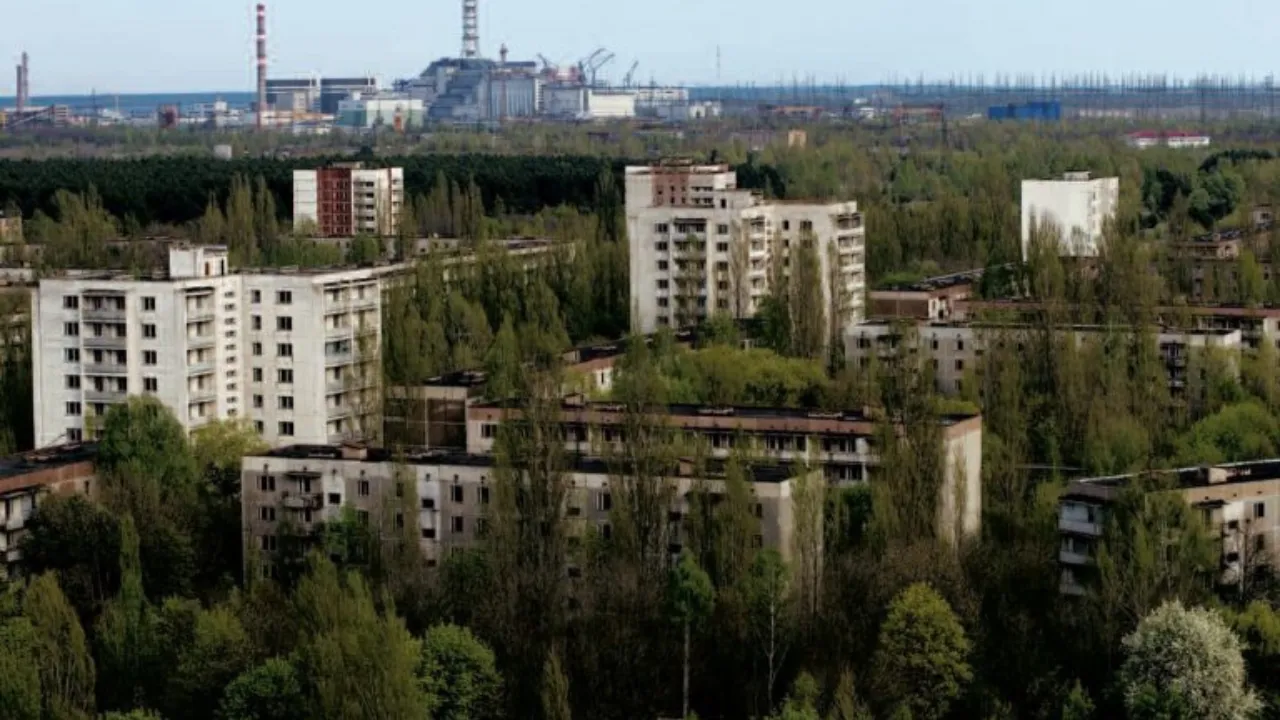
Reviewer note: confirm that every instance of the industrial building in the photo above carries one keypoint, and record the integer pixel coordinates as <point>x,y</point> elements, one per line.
<point>1077,205</point>
<point>699,245</point>
<point>580,102</point>
<point>295,352</point>
<point>296,489</point>
<point>26,479</point>
<point>1239,504</point>
<point>1042,111</point>
<point>394,111</point>
<point>348,200</point>
<point>1145,139</point>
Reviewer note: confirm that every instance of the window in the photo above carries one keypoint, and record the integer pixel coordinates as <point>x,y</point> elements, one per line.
<point>660,247</point>
<point>663,265</point>
<point>149,331</point>
<point>489,431</point>
<point>285,402</point>
<point>255,322</point>
<point>73,355</point>
<point>148,304</point>
<point>457,525</point>
<point>73,382</point>
<point>267,513</point>
<point>664,284</point>
<point>285,377</point>
<point>456,492</point>
<point>663,302</point>
<point>335,499</point>
<point>604,502</point>
<point>722,266</point>
<point>484,495</point>
<point>284,350</point>
<point>73,409</point>
<point>806,226</point>
<point>362,488</point>
<point>661,228</point>
<point>70,302</point>
<point>149,357</point>
<point>1259,510</point>
<point>786,224</point>
<point>151,385</point>
<point>722,247</point>
<point>286,429</point>
<point>759,510</point>
<point>959,344</point>
<point>267,483</point>
<point>257,402</point>
<point>722,229</point>
<point>284,323</point>
<point>258,427</point>
<point>257,375</point>
<point>71,329</point>
<point>428,533</point>
<point>284,297</point>
<point>959,366</point>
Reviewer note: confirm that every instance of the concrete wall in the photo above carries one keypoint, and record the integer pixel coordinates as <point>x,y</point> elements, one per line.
<point>1079,208</point>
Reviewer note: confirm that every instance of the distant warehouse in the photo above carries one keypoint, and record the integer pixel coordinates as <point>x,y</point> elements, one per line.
<point>1043,111</point>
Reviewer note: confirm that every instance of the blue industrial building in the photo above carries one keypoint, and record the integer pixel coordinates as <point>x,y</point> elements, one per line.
<point>1043,111</point>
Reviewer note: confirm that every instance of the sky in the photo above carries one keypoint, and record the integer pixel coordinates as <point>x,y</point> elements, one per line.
<point>126,46</point>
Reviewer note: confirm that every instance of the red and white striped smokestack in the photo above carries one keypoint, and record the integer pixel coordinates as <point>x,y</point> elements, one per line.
<point>262,63</point>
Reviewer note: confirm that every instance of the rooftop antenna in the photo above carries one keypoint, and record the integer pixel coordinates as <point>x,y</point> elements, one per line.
<point>470,29</point>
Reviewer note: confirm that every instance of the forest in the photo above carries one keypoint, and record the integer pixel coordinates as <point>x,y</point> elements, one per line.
<point>139,605</point>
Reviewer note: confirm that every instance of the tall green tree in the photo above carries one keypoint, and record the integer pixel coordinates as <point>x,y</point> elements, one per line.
<point>922,662</point>
<point>60,649</point>
<point>459,675</point>
<point>126,640</point>
<point>692,598</point>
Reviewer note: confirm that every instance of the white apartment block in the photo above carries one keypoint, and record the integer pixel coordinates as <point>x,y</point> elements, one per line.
<point>699,245</point>
<point>293,352</point>
<point>1077,205</point>
<point>348,200</point>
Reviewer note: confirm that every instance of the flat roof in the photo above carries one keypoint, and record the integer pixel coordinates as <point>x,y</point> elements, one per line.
<point>939,282</point>
<point>764,472</point>
<point>1076,327</point>
<point>1186,478</point>
<point>735,411</point>
<point>51,458</point>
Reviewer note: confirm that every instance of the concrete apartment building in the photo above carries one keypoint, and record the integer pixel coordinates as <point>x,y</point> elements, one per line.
<point>1239,504</point>
<point>1077,205</point>
<point>348,200</point>
<point>295,352</point>
<point>955,350</point>
<point>295,489</point>
<point>843,444</point>
<point>699,245</point>
<point>28,477</point>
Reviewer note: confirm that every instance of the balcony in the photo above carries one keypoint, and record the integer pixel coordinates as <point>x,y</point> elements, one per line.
<point>294,501</point>
<point>106,396</point>
<point>204,367</point>
<point>15,522</point>
<point>339,333</point>
<point>1080,527</point>
<point>203,395</point>
<point>1072,557</point>
<point>369,301</point>
<point>340,411</point>
<point>204,314</point>
<point>202,341</point>
<point>113,369</point>
<point>106,341</point>
<point>339,358</point>
<point>104,314</point>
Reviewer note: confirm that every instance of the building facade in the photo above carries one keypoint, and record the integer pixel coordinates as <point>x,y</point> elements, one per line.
<point>1076,204</point>
<point>296,353</point>
<point>349,200</point>
<point>699,245</point>
<point>296,489</point>
<point>1239,504</point>
<point>26,478</point>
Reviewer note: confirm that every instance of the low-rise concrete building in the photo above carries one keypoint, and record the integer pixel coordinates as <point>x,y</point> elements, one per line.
<point>26,478</point>
<point>294,490</point>
<point>1239,504</point>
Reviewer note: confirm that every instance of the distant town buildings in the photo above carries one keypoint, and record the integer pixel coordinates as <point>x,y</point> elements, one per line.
<point>1077,205</point>
<point>348,200</point>
<point>1043,111</point>
<point>1174,139</point>
<point>294,352</point>
<point>700,245</point>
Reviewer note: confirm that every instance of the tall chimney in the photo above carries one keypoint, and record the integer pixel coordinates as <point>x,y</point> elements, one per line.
<point>24,80</point>
<point>470,28</point>
<point>262,63</point>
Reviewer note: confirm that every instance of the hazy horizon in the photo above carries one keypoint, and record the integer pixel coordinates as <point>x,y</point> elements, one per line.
<point>149,46</point>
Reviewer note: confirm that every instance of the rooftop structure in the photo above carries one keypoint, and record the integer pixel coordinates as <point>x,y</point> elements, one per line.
<point>929,299</point>
<point>1239,503</point>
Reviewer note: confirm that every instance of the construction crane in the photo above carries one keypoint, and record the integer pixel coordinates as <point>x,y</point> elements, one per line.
<point>593,62</point>
<point>631,74</point>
